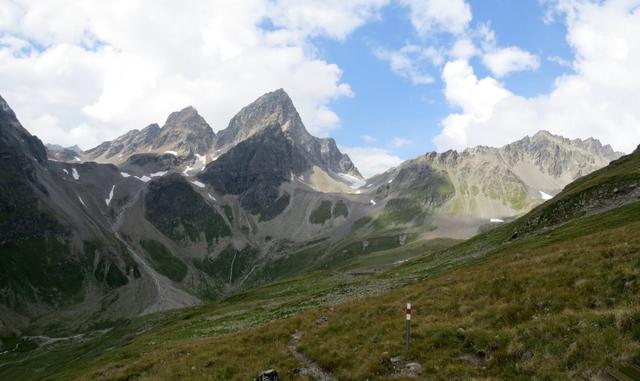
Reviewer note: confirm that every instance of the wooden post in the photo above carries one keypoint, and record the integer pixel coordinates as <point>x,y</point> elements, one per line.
<point>408,333</point>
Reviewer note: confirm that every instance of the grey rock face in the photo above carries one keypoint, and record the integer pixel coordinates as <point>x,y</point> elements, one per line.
<point>132,142</point>
<point>277,109</point>
<point>185,130</point>
<point>179,212</point>
<point>256,167</point>
<point>21,155</point>
<point>558,156</point>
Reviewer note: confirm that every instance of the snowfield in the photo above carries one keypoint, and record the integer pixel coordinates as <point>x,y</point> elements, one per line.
<point>108,200</point>
<point>353,181</point>
<point>545,196</point>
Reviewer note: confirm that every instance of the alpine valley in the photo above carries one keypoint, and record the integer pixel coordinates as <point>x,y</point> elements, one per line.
<point>169,234</point>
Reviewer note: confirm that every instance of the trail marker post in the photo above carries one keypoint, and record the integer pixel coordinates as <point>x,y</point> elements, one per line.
<point>408,333</point>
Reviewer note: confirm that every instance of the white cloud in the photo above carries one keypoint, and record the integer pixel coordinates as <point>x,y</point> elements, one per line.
<point>504,61</point>
<point>451,16</point>
<point>463,48</point>
<point>399,142</point>
<point>598,100</point>
<point>371,161</point>
<point>409,62</point>
<point>73,69</point>
<point>559,61</point>
<point>368,138</point>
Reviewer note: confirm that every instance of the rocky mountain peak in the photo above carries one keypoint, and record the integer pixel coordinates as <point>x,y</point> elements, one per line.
<point>186,119</point>
<point>277,109</point>
<point>6,113</point>
<point>273,108</point>
<point>590,145</point>
<point>23,138</point>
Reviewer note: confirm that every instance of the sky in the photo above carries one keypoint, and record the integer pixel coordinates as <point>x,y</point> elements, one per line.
<point>388,79</point>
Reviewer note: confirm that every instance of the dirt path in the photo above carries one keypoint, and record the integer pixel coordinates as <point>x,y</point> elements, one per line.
<point>309,368</point>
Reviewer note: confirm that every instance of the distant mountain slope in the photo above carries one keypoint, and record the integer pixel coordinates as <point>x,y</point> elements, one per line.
<point>486,184</point>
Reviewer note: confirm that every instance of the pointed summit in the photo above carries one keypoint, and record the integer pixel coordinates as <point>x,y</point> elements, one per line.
<point>187,118</point>
<point>276,109</point>
<point>185,131</point>
<point>273,108</point>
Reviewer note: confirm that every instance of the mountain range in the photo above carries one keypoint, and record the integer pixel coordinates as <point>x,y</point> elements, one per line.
<point>167,217</point>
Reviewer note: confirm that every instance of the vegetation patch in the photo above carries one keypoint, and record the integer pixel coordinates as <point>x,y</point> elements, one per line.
<point>276,208</point>
<point>361,222</point>
<point>109,273</point>
<point>228,212</point>
<point>231,265</point>
<point>340,209</point>
<point>399,211</point>
<point>181,214</point>
<point>321,214</point>
<point>40,269</point>
<point>164,261</point>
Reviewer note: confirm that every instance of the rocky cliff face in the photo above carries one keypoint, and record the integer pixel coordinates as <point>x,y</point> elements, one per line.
<point>255,168</point>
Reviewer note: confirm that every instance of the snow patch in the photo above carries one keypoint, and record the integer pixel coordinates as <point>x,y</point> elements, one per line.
<point>186,171</point>
<point>174,153</point>
<point>202,159</point>
<point>108,200</point>
<point>353,181</point>
<point>198,184</point>
<point>77,159</point>
<point>373,202</point>
<point>369,186</point>
<point>211,197</point>
<point>545,196</point>
<point>76,175</point>
<point>145,179</point>
<point>82,202</point>
<point>125,174</point>
<point>390,181</point>
<point>496,220</point>
<point>65,171</point>
<point>158,174</point>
